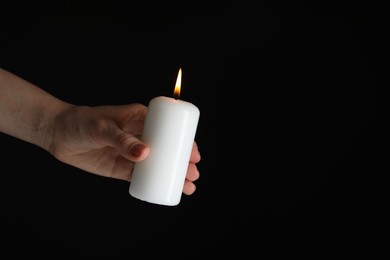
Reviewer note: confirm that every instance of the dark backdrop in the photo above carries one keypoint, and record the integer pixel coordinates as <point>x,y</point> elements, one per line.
<point>288,130</point>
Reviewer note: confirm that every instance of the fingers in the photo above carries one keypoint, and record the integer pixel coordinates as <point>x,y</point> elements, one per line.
<point>192,175</point>
<point>192,172</point>
<point>189,188</point>
<point>195,154</point>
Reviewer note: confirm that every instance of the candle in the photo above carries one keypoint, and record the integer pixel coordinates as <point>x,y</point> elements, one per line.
<point>169,129</point>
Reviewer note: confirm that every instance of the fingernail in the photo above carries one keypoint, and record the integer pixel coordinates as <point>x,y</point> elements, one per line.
<point>136,149</point>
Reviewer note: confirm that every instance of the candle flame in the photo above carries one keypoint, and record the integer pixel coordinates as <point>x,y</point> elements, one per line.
<point>176,92</point>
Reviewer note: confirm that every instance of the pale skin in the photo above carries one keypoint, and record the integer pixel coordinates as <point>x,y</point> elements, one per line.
<point>103,140</point>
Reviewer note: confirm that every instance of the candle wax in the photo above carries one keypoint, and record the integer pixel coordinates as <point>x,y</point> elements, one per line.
<point>169,129</point>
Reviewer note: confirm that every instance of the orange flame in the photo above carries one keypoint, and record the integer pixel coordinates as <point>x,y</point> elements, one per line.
<point>176,92</point>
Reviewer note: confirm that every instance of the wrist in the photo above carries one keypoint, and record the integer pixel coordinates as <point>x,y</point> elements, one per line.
<point>44,131</point>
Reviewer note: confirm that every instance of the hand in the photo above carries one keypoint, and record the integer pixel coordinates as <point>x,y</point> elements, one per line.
<point>104,140</point>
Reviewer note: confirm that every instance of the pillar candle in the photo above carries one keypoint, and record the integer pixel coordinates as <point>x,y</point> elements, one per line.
<point>169,129</point>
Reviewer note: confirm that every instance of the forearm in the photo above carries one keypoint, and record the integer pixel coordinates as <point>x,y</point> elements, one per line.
<point>26,111</point>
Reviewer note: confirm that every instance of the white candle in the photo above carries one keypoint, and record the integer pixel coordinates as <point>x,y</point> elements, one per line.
<point>169,130</point>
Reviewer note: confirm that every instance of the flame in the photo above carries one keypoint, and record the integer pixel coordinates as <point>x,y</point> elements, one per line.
<point>176,92</point>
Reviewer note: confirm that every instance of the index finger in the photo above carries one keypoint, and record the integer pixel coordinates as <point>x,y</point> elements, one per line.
<point>195,154</point>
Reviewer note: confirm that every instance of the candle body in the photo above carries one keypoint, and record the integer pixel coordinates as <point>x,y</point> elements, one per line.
<point>169,130</point>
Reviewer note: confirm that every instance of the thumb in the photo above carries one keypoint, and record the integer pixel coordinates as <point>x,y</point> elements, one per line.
<point>129,146</point>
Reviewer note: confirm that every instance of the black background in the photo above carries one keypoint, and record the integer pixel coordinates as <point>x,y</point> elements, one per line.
<point>289,131</point>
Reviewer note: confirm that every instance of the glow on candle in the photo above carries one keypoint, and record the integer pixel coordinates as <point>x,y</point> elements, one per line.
<point>169,129</point>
